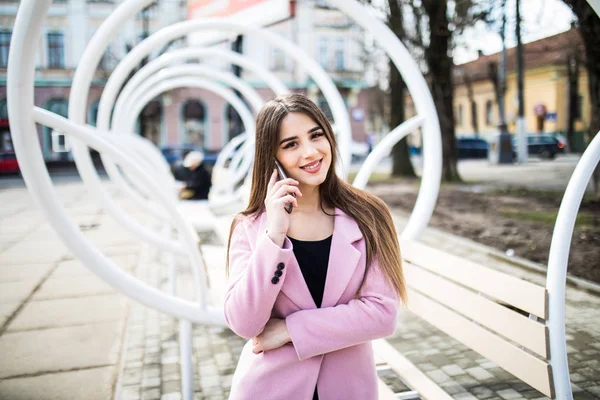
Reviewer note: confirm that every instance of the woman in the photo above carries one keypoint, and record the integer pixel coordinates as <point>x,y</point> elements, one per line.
<point>313,287</point>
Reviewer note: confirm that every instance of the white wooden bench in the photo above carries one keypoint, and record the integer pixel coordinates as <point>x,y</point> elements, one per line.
<point>497,315</point>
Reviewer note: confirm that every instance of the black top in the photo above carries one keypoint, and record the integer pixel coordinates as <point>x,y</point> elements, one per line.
<point>313,258</point>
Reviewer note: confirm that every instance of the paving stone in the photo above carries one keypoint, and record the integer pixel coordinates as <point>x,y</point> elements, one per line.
<point>171,396</point>
<point>89,384</point>
<point>438,376</point>
<point>464,396</point>
<point>453,370</point>
<point>171,386</point>
<point>16,292</point>
<point>66,287</point>
<point>71,268</point>
<point>59,349</point>
<point>509,394</point>
<point>479,373</point>
<point>16,273</point>
<point>67,312</point>
<point>46,252</point>
<point>6,310</point>
<point>152,394</point>
<point>130,393</point>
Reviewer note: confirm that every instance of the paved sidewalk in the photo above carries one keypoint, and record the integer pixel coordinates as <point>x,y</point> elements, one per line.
<point>64,334</point>
<point>61,327</point>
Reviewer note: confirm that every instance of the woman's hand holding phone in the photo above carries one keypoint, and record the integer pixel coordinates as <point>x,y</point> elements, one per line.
<point>278,195</point>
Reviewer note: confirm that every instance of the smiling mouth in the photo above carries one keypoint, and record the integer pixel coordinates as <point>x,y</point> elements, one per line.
<point>312,165</point>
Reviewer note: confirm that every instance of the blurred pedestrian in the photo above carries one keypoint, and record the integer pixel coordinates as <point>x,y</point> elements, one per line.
<point>195,177</point>
<point>310,287</point>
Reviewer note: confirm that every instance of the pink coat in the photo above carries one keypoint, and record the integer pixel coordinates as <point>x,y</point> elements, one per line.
<point>330,345</point>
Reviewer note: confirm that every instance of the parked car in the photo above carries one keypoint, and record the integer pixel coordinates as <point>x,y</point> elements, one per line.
<point>471,147</point>
<point>543,146</point>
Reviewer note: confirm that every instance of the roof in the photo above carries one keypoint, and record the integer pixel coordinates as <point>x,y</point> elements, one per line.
<point>552,50</point>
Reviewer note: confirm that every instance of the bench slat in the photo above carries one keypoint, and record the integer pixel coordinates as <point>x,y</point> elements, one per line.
<point>518,362</point>
<point>514,291</point>
<point>410,374</point>
<point>494,316</point>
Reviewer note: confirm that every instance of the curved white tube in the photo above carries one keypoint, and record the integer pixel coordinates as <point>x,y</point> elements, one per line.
<point>20,87</point>
<point>383,149</point>
<point>165,35</point>
<point>179,56</point>
<point>227,94</point>
<point>558,260</point>
<point>134,99</point>
<point>419,91</point>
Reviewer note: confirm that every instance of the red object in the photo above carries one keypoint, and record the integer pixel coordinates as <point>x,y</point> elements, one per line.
<point>8,158</point>
<point>560,144</point>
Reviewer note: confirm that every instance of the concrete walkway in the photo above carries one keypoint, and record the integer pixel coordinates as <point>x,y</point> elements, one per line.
<point>64,334</point>
<point>61,327</point>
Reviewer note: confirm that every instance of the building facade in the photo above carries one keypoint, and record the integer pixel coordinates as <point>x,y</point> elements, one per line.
<point>546,90</point>
<point>182,116</point>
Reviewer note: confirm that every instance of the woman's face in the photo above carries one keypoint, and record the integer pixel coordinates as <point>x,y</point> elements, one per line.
<point>303,150</point>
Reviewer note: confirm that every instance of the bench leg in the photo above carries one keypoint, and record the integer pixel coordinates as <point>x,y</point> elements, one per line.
<point>187,369</point>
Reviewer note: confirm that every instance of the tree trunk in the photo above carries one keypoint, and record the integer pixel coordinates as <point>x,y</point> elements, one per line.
<point>401,165</point>
<point>589,28</point>
<point>440,74</point>
<point>573,78</point>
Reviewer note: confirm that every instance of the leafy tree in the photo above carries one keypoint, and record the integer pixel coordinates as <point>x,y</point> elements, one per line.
<point>588,24</point>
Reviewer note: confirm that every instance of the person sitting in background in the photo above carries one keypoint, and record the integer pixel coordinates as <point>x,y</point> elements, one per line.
<point>195,177</point>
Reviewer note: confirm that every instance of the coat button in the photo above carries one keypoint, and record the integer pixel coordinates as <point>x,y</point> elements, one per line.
<point>278,273</point>
<point>280,266</point>
<point>275,280</point>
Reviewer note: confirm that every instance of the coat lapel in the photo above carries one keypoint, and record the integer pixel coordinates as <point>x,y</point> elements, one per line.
<point>294,286</point>
<point>343,258</point>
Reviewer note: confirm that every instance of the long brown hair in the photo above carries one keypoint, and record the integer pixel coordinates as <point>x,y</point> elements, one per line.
<point>370,213</point>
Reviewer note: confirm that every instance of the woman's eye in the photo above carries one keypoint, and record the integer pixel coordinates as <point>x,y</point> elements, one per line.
<point>289,145</point>
<point>316,135</point>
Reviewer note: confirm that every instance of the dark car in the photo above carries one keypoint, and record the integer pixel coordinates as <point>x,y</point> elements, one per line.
<point>543,146</point>
<point>471,147</point>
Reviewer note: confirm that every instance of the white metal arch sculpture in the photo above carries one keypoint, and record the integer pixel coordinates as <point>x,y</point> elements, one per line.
<point>148,92</point>
<point>558,259</point>
<point>23,115</point>
<point>165,35</point>
<point>227,94</point>
<point>188,71</point>
<point>179,56</point>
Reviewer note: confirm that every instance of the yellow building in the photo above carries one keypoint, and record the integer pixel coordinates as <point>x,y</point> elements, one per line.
<point>546,90</point>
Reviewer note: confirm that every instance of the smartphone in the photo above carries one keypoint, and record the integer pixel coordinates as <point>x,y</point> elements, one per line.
<point>282,175</point>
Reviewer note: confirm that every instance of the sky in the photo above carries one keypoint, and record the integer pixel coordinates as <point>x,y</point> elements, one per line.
<point>541,18</point>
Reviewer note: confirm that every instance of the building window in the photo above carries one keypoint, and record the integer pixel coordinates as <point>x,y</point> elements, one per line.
<point>324,106</point>
<point>59,143</point>
<point>460,114</point>
<point>488,113</point>
<point>278,60</point>
<point>339,54</point>
<point>474,122</point>
<point>323,52</point>
<point>56,50</point>
<point>4,47</point>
